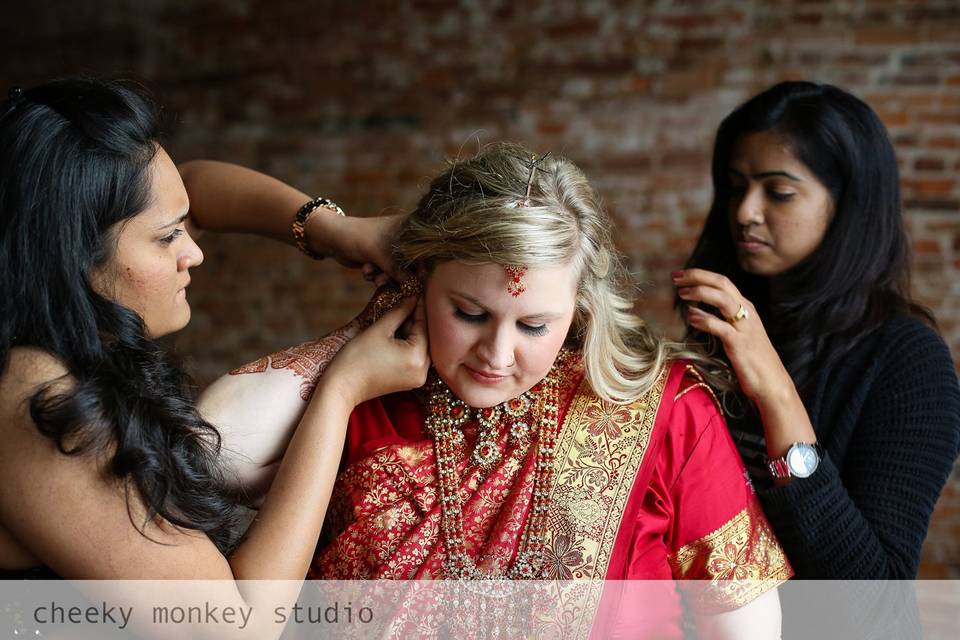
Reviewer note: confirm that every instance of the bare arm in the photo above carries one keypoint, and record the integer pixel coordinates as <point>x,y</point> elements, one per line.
<point>256,407</point>
<point>229,198</point>
<point>757,620</point>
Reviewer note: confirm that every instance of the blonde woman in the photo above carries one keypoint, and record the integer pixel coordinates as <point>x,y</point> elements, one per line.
<point>557,437</point>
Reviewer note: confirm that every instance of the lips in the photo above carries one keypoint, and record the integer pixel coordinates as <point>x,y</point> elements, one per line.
<point>485,377</point>
<point>751,243</point>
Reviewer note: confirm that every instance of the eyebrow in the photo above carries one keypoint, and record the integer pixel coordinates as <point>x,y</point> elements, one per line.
<point>175,222</point>
<point>768,174</point>
<point>542,317</point>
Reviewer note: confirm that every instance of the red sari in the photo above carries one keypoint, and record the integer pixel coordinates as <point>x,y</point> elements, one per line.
<point>647,491</point>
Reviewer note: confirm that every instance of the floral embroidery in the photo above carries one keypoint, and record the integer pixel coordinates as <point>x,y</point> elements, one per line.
<point>562,556</point>
<point>739,559</point>
<point>605,419</point>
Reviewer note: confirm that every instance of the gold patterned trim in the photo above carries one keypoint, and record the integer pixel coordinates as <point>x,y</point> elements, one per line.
<point>700,384</point>
<point>741,560</point>
<point>600,448</point>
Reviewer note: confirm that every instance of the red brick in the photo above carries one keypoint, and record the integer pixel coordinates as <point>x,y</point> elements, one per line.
<point>573,29</point>
<point>926,246</point>
<point>918,79</point>
<point>629,162</point>
<point>639,84</point>
<point>927,186</point>
<point>551,128</point>
<point>928,164</point>
<point>932,204</point>
<point>878,100</point>
<point>894,118</point>
<point>944,142</point>
<point>886,36</point>
<point>808,19</point>
<point>940,117</point>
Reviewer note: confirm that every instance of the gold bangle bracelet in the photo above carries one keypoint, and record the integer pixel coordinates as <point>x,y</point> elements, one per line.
<point>300,223</point>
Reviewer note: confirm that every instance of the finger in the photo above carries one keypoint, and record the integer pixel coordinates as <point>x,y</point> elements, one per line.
<point>369,269</point>
<point>391,270</point>
<point>694,277</point>
<point>709,323</point>
<point>727,304</point>
<point>418,329</point>
<point>392,319</point>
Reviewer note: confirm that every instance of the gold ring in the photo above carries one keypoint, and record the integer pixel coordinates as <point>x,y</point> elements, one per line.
<point>741,315</point>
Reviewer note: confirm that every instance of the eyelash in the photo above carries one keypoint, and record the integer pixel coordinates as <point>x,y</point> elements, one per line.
<point>173,236</point>
<point>476,318</point>
<point>738,191</point>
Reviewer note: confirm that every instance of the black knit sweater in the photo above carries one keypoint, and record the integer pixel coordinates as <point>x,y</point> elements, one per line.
<point>888,417</point>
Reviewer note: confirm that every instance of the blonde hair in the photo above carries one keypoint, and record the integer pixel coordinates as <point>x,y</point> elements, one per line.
<point>507,206</point>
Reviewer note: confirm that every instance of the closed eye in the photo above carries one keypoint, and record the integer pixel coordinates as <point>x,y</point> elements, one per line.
<point>470,317</point>
<point>780,196</point>
<point>534,331</point>
<point>476,318</point>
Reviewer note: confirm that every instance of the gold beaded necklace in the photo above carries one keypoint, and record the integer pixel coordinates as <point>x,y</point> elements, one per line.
<point>534,413</point>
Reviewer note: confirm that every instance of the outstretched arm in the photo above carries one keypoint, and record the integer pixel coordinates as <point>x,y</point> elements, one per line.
<point>229,198</point>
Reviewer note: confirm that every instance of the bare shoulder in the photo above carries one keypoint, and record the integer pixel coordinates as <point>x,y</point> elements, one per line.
<point>31,365</point>
<point>27,371</point>
<point>67,511</point>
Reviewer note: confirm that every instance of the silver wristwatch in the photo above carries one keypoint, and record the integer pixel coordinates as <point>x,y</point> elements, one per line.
<point>801,460</point>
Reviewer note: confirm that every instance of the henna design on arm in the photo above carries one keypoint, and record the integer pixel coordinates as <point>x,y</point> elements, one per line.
<point>310,359</point>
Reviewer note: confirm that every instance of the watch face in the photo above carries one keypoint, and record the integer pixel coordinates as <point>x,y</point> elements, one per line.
<point>802,459</point>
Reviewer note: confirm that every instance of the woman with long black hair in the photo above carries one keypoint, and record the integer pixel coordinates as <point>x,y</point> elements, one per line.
<point>108,470</point>
<point>851,420</point>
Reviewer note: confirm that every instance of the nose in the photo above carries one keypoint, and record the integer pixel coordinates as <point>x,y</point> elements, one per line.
<point>190,256</point>
<point>749,210</point>
<point>495,349</point>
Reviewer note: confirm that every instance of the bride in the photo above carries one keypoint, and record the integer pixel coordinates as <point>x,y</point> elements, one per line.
<point>556,438</point>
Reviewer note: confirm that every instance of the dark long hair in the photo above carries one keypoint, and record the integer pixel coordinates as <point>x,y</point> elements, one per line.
<point>859,275</point>
<point>74,162</point>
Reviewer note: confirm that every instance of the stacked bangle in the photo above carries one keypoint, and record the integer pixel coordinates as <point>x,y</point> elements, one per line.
<point>300,223</point>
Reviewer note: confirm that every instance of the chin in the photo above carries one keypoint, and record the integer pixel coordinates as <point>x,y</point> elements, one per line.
<point>479,396</point>
<point>757,268</point>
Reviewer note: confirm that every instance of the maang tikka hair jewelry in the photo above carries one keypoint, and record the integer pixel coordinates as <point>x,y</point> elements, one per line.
<point>515,285</point>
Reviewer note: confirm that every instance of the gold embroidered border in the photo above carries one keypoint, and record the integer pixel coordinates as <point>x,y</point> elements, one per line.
<point>599,450</point>
<point>701,384</point>
<point>741,560</point>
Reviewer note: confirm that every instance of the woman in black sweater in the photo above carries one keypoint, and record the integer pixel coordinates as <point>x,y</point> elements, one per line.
<point>850,423</point>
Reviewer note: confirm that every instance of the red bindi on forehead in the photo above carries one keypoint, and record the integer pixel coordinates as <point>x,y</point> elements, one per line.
<point>515,286</point>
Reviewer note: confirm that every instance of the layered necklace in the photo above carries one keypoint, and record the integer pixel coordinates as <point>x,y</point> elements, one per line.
<point>531,416</point>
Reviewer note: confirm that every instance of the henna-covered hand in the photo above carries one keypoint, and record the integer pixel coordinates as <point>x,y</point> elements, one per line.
<point>390,355</point>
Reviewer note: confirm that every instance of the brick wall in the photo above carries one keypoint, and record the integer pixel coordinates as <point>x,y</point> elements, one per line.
<point>361,101</point>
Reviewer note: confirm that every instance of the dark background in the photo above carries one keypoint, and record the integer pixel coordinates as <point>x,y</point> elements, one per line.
<point>361,101</point>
